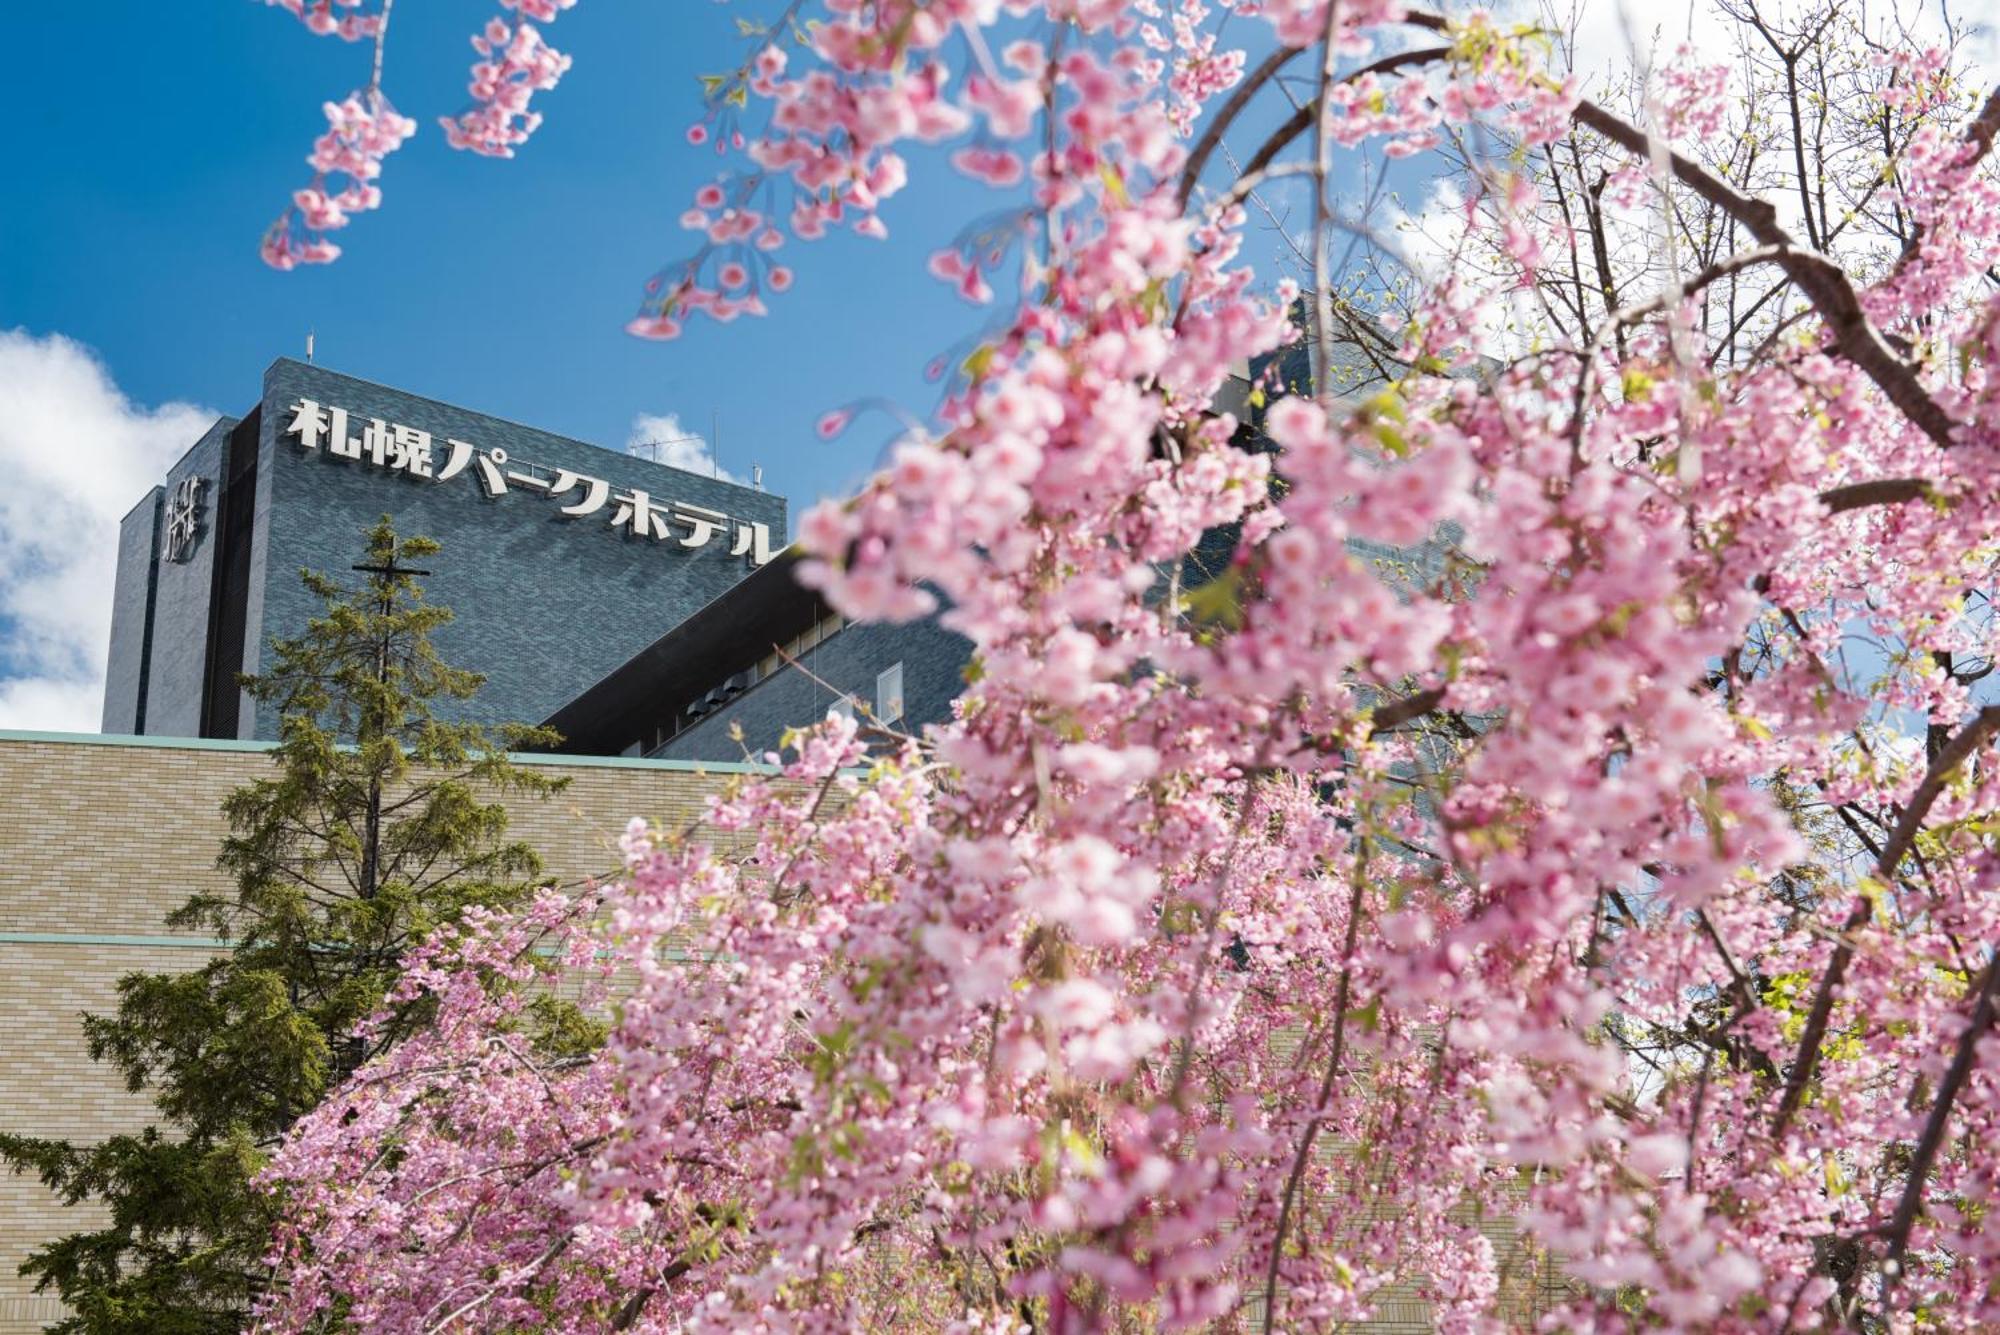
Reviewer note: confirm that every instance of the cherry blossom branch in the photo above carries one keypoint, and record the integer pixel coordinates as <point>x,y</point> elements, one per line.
<point>1225,116</point>
<point>1940,1115</point>
<point>1954,754</point>
<point>1245,806</point>
<point>1311,1132</point>
<point>1617,320</point>
<point>535,1267</point>
<point>1978,136</point>
<point>515,64</point>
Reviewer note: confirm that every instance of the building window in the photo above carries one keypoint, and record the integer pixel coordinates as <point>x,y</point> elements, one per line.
<point>844,707</point>
<point>889,694</point>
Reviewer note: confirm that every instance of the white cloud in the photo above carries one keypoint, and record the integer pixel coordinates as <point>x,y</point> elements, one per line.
<point>661,437</point>
<point>1430,240</point>
<point>77,454</point>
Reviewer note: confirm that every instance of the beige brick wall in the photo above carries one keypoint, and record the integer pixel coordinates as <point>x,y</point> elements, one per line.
<point>99,839</point>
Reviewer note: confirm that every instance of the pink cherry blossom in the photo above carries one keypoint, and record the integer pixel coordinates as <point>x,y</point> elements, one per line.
<point>1551,783</point>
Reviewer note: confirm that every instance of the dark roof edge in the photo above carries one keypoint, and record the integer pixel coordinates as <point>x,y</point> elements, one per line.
<point>587,713</point>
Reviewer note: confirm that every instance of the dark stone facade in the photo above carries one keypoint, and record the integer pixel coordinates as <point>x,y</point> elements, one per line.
<point>544,605</point>
<point>177,664</point>
<point>132,617</point>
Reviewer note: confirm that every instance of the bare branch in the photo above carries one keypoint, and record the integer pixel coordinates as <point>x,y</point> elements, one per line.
<point>1720,269</point>
<point>1824,283</point>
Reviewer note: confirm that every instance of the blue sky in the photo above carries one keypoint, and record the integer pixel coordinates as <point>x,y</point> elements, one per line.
<point>150,145</point>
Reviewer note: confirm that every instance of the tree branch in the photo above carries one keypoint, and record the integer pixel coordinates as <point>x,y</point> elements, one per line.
<point>1878,491</point>
<point>1940,1116</point>
<point>1211,138</point>
<point>1302,119</point>
<point>1398,712</point>
<point>1824,283</point>
<point>1954,753</point>
<point>1722,268</point>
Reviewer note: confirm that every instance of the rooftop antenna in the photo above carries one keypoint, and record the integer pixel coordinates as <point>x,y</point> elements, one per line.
<point>757,476</point>
<point>715,442</point>
<point>654,445</point>
<point>309,347</point>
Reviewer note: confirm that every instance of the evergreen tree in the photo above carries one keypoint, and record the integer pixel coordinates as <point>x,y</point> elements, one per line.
<point>381,822</point>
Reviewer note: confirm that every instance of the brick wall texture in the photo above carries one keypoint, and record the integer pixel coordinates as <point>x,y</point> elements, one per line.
<point>99,840</point>
<point>101,837</point>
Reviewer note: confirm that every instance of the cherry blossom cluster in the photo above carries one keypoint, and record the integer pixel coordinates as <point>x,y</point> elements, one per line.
<point>364,128</point>
<point>1520,835</point>
<point>1201,70</point>
<point>515,63</point>
<point>350,20</point>
<point>361,131</point>
<point>728,275</point>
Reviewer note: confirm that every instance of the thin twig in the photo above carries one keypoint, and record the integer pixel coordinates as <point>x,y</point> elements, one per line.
<point>1326,1087</point>
<point>1211,138</point>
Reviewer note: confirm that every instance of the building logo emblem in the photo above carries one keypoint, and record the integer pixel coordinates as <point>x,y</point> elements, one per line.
<point>396,448</point>
<point>184,519</point>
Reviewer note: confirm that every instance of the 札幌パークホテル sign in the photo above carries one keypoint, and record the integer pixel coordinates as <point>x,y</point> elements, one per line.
<point>396,448</point>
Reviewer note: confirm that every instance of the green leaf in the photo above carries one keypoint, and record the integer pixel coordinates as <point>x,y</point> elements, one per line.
<point>1219,602</point>
<point>1114,184</point>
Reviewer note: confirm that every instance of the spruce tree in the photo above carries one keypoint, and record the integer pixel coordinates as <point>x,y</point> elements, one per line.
<point>381,821</point>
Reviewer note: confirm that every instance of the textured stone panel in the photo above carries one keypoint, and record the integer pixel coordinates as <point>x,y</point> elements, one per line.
<point>131,614</point>
<point>101,837</point>
<point>178,661</point>
<point>543,605</point>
